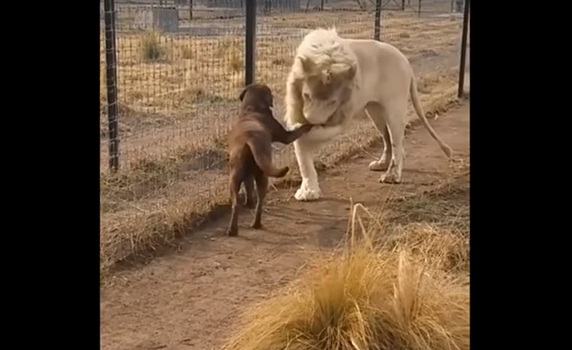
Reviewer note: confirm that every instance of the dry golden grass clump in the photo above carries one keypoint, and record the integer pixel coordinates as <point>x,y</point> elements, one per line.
<point>447,248</point>
<point>367,297</point>
<point>231,52</point>
<point>187,52</point>
<point>151,49</point>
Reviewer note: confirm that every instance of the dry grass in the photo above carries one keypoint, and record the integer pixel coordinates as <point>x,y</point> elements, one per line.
<point>175,112</point>
<point>150,47</point>
<point>370,299</point>
<point>393,287</point>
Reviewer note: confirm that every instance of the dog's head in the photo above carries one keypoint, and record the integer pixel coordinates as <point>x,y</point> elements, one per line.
<point>256,96</point>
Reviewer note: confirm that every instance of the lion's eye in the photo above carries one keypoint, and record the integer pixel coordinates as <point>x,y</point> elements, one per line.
<point>306,95</point>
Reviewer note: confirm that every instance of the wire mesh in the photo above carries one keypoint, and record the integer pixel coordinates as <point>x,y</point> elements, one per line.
<point>180,70</point>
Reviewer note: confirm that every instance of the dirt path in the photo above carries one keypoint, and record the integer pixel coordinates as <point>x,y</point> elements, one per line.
<point>189,299</point>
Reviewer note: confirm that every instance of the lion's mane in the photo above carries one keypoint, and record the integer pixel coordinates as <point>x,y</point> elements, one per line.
<point>321,54</point>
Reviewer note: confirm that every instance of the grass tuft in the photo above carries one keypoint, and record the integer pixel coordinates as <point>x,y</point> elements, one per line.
<point>151,49</point>
<point>369,296</point>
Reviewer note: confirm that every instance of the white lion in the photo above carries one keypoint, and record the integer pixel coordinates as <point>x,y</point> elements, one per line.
<point>331,81</point>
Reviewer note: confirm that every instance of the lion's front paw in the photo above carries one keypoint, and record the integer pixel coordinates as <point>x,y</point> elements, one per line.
<point>308,194</point>
<point>390,178</point>
<point>378,165</point>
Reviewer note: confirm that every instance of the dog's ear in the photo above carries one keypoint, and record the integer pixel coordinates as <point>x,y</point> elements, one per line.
<point>241,96</point>
<point>268,99</point>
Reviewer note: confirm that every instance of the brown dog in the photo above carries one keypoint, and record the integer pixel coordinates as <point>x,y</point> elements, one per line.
<point>250,148</point>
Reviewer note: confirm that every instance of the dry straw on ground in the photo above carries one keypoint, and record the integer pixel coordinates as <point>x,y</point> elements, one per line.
<point>398,296</point>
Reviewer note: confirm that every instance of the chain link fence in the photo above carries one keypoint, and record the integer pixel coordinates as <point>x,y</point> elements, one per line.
<point>179,67</point>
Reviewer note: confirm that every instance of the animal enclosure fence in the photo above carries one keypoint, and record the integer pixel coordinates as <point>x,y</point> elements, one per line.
<point>171,72</point>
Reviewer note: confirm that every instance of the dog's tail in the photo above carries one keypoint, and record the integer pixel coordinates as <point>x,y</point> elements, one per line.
<point>417,106</point>
<point>263,158</point>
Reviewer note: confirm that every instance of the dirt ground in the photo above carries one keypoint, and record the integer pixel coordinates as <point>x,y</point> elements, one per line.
<point>189,298</point>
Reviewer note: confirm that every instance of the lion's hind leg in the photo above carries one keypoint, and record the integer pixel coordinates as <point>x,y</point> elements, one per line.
<point>395,114</point>
<point>375,114</point>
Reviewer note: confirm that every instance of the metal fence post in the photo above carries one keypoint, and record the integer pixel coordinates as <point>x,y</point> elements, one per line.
<point>377,19</point>
<point>190,10</point>
<point>111,77</point>
<point>250,43</point>
<point>463,50</point>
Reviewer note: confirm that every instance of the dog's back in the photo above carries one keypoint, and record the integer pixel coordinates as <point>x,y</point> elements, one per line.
<point>250,147</point>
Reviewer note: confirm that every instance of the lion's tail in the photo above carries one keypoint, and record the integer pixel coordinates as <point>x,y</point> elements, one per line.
<point>421,114</point>
<point>263,158</point>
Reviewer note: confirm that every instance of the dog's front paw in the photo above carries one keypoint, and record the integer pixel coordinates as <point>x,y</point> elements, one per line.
<point>307,127</point>
<point>308,194</point>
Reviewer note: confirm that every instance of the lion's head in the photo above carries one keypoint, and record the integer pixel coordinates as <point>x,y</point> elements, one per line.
<point>325,91</point>
<point>323,72</point>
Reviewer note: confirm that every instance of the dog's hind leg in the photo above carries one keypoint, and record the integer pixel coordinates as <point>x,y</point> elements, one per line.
<point>235,182</point>
<point>375,113</point>
<point>249,191</point>
<point>261,188</point>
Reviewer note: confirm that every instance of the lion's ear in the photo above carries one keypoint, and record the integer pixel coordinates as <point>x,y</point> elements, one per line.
<point>307,65</point>
<point>343,70</point>
<point>350,74</point>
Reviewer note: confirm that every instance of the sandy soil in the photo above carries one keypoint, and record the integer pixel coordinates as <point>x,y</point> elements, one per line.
<point>188,297</point>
